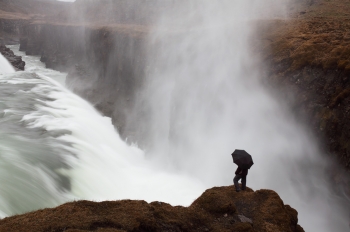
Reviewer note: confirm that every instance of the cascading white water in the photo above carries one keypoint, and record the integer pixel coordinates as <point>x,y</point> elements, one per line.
<point>5,66</point>
<point>56,147</point>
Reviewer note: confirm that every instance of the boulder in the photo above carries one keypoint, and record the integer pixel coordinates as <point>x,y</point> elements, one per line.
<point>16,61</point>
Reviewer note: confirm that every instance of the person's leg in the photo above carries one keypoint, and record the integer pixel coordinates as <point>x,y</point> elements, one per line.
<point>235,181</point>
<point>244,181</point>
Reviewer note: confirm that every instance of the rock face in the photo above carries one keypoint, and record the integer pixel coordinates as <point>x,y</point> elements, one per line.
<point>14,14</point>
<point>16,61</point>
<point>218,209</point>
<point>311,59</point>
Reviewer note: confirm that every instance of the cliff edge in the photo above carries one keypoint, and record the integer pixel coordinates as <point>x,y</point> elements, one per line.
<point>217,209</point>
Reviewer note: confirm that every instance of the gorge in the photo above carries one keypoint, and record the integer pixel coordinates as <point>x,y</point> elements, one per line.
<point>126,67</point>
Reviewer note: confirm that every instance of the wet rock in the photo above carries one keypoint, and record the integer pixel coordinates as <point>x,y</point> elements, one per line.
<point>16,61</point>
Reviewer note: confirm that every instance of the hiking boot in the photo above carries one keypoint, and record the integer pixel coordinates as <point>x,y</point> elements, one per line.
<point>237,190</point>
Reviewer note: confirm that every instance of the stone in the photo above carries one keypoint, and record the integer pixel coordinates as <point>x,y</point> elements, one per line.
<point>243,218</point>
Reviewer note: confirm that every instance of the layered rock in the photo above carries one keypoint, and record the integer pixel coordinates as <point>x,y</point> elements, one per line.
<point>217,209</point>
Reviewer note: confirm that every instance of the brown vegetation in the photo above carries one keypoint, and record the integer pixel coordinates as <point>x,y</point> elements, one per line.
<point>315,42</point>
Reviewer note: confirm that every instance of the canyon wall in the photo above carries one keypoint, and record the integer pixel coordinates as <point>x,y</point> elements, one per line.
<point>10,29</point>
<point>309,63</point>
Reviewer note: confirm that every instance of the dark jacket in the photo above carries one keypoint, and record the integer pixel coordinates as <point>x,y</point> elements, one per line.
<point>242,172</point>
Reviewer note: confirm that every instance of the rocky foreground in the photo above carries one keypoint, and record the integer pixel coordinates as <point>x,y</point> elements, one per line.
<point>217,209</point>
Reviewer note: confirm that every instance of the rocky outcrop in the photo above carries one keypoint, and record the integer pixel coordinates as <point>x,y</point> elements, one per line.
<point>16,61</point>
<point>218,209</point>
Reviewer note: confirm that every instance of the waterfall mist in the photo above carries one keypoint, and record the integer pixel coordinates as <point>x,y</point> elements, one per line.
<point>203,98</point>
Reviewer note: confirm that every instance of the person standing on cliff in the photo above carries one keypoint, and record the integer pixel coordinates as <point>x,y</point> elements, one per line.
<point>244,161</point>
<point>240,174</point>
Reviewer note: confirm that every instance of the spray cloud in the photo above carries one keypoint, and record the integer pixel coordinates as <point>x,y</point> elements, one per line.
<point>203,98</point>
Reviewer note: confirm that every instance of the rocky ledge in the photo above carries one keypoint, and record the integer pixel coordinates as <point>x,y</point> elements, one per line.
<point>16,61</point>
<point>217,209</point>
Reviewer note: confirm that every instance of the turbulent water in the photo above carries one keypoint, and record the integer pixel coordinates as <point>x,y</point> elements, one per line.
<point>203,98</point>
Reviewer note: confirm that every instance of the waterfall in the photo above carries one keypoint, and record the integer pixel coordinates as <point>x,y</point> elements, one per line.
<point>202,99</point>
<point>55,147</point>
<point>5,66</point>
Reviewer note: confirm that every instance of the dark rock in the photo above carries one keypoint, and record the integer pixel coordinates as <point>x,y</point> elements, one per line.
<point>16,61</point>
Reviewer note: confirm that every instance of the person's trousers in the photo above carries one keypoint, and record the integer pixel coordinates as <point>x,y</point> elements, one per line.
<point>237,178</point>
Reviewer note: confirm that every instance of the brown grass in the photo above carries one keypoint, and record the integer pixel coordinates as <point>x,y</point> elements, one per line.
<point>319,38</point>
<point>317,42</point>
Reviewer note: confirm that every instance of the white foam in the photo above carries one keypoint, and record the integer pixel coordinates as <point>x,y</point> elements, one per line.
<point>5,66</point>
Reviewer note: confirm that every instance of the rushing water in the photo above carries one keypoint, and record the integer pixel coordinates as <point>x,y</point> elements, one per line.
<point>56,148</point>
